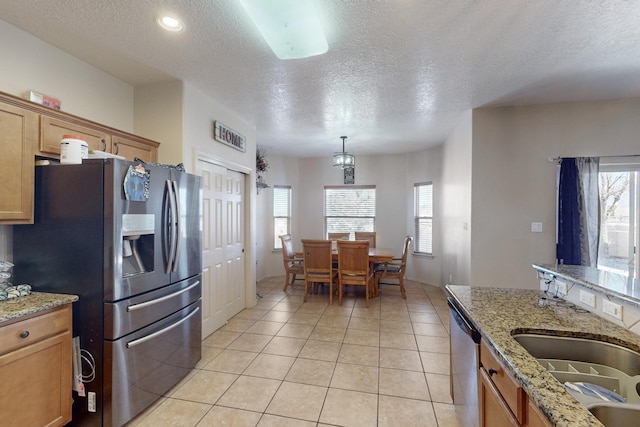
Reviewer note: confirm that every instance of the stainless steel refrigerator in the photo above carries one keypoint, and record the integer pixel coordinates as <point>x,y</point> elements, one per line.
<point>125,237</point>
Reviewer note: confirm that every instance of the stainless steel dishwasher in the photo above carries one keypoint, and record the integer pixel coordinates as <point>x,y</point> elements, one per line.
<point>465,342</point>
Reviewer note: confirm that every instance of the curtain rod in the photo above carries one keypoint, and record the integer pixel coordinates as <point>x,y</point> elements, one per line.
<point>557,159</point>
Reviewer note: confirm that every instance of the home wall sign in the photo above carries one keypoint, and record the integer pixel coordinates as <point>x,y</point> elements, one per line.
<point>228,136</point>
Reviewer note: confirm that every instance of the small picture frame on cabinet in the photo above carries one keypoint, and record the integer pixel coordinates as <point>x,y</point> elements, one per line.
<point>350,176</point>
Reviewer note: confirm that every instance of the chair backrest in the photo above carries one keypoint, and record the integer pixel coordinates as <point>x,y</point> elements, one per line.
<point>338,236</point>
<point>317,256</point>
<point>405,250</point>
<point>353,257</point>
<point>287,247</point>
<point>367,235</point>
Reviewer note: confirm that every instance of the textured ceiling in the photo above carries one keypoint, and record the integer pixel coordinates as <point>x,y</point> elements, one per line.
<point>398,73</point>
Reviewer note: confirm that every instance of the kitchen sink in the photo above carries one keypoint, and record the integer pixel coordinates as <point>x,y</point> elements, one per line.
<point>611,414</point>
<point>604,364</point>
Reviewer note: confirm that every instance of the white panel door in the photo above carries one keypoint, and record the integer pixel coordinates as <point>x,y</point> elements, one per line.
<point>223,281</point>
<point>235,247</point>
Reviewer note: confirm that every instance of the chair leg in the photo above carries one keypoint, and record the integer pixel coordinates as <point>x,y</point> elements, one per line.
<point>340,286</point>
<point>404,294</point>
<point>306,290</point>
<point>330,291</point>
<point>286,283</point>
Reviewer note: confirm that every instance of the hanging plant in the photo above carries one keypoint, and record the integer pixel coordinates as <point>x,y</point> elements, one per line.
<point>261,161</point>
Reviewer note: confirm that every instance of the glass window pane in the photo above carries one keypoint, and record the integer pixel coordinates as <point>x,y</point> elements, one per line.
<point>617,221</point>
<point>281,213</point>
<point>350,209</point>
<point>423,199</point>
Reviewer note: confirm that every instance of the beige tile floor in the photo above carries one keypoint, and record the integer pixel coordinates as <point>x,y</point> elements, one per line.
<point>289,363</point>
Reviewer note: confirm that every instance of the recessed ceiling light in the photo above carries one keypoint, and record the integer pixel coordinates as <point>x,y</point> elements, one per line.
<point>170,23</point>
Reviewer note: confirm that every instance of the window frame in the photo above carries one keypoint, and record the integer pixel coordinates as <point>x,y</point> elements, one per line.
<point>325,217</point>
<point>418,218</point>
<point>277,243</point>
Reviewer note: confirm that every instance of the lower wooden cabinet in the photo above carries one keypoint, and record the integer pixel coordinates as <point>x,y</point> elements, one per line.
<point>535,417</point>
<point>502,401</point>
<point>35,370</point>
<point>494,411</point>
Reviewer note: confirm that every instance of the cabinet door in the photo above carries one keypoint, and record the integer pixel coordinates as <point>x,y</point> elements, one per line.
<point>494,412</point>
<point>19,130</point>
<point>54,129</point>
<point>535,417</point>
<point>35,389</point>
<point>131,148</point>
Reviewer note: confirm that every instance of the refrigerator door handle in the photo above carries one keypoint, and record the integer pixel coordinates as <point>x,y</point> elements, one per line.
<point>176,255</point>
<point>138,306</point>
<point>172,226</point>
<point>161,331</point>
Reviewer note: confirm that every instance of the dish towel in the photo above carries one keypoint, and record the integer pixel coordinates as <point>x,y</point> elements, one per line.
<point>593,390</point>
<point>11,292</point>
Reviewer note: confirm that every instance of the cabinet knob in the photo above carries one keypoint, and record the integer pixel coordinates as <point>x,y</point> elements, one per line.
<point>492,372</point>
<point>24,334</point>
<point>104,145</point>
<point>115,144</point>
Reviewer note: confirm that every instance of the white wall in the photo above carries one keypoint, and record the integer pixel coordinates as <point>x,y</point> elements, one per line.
<point>393,177</point>
<point>176,114</point>
<point>426,166</point>
<point>158,116</point>
<point>29,63</point>
<point>514,183</point>
<point>455,208</point>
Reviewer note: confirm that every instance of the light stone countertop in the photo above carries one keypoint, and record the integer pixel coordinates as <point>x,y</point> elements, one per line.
<point>33,303</point>
<point>623,288</point>
<point>498,313</point>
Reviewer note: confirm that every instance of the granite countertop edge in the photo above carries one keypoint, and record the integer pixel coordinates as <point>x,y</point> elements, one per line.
<point>31,304</point>
<point>500,312</point>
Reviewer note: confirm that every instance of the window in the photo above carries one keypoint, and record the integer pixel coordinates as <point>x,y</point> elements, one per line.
<point>423,196</point>
<point>281,213</point>
<point>619,234</point>
<point>349,209</point>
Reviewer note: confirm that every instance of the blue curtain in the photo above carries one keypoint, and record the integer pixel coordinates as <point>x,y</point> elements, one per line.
<point>578,212</point>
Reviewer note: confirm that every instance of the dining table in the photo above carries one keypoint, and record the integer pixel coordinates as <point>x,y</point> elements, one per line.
<point>376,255</point>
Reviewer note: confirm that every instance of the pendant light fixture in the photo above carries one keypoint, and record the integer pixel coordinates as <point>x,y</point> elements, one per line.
<point>343,160</point>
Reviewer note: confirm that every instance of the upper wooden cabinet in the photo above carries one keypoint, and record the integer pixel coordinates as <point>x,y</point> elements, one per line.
<point>28,130</point>
<point>18,135</point>
<point>131,147</point>
<point>53,130</point>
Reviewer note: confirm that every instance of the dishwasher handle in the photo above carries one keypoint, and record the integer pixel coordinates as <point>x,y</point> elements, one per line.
<point>463,322</point>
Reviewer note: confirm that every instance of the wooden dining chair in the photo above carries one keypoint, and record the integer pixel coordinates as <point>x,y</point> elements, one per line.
<point>393,270</point>
<point>353,266</point>
<point>317,265</point>
<point>338,236</point>
<point>367,235</point>
<point>292,265</point>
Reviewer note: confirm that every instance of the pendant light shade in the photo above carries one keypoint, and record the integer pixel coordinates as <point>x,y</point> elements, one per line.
<point>343,160</point>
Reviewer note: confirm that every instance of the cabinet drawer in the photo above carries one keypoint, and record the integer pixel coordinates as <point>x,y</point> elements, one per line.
<point>510,390</point>
<point>29,331</point>
<point>53,130</point>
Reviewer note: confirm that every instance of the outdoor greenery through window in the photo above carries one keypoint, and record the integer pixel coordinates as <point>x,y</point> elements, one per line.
<point>423,196</point>
<point>349,209</point>
<point>619,218</point>
<point>281,213</point>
